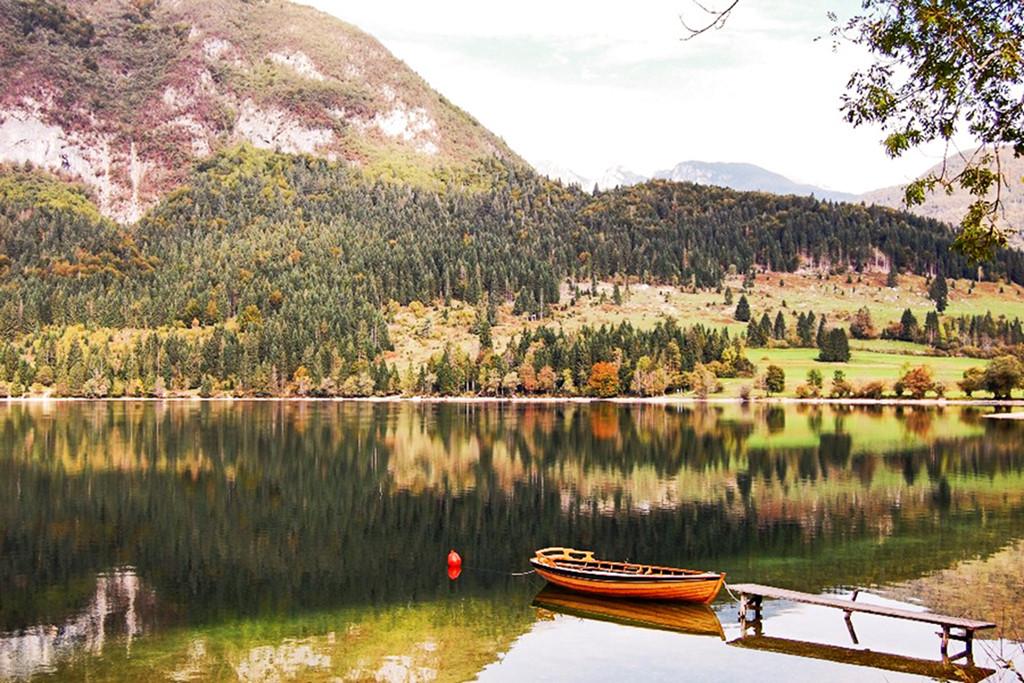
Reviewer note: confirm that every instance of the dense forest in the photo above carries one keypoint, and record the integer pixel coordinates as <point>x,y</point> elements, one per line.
<point>268,267</point>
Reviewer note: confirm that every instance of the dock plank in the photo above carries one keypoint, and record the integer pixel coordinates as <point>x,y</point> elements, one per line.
<point>754,589</point>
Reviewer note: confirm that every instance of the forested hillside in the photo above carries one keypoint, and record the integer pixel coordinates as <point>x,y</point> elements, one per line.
<point>265,265</point>
<point>126,95</point>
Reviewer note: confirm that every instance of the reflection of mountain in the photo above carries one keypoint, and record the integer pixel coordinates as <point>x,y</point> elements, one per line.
<point>116,610</point>
<point>257,508</point>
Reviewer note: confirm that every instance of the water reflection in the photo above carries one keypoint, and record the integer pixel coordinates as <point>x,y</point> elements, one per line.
<point>117,610</point>
<point>274,511</point>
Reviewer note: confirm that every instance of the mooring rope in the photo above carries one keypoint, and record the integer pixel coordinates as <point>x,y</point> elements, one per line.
<point>731,594</point>
<point>497,571</point>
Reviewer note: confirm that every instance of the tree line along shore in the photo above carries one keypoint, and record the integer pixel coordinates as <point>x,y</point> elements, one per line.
<point>789,354</point>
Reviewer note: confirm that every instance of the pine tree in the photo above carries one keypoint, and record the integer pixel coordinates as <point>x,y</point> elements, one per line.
<point>755,335</point>
<point>939,292</point>
<point>908,326</point>
<point>483,322</point>
<point>779,330</point>
<point>931,327</point>
<point>766,327</point>
<point>742,309</point>
<point>835,347</point>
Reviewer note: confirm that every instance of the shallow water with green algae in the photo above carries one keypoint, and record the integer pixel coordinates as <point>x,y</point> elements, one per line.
<point>307,540</point>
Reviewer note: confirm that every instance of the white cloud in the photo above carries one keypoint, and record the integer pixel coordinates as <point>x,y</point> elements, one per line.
<point>594,84</point>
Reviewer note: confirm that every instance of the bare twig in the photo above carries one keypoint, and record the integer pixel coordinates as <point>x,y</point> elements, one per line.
<point>718,19</point>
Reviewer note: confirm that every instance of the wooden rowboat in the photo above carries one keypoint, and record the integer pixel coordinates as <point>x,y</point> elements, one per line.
<point>579,570</point>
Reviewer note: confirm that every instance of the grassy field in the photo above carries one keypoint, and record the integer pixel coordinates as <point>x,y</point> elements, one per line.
<point>864,365</point>
<point>419,331</point>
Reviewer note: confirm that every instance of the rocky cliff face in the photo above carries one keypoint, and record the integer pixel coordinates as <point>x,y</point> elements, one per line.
<point>126,95</point>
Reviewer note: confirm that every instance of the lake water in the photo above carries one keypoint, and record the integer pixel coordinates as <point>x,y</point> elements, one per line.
<point>307,540</point>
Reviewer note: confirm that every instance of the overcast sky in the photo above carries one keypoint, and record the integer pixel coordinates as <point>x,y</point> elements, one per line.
<point>588,85</point>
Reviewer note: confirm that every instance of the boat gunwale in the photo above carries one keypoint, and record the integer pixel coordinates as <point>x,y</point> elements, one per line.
<point>582,563</point>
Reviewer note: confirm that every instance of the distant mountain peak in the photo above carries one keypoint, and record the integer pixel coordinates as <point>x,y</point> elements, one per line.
<point>566,176</point>
<point>618,176</point>
<point>745,177</point>
<point>735,175</point>
<point>951,208</point>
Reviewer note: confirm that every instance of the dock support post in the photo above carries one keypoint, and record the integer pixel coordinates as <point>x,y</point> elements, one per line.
<point>848,618</point>
<point>750,613</point>
<point>944,648</point>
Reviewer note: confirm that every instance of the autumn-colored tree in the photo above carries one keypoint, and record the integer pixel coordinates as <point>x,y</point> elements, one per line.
<point>301,381</point>
<point>774,380</point>
<point>862,327</point>
<point>528,378</point>
<point>702,381</point>
<point>918,381</point>
<point>568,385</point>
<point>547,379</point>
<point>604,379</point>
<point>510,382</point>
<point>251,318</point>
<point>649,379</point>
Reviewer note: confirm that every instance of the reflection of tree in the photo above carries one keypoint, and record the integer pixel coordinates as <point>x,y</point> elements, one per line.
<point>918,420</point>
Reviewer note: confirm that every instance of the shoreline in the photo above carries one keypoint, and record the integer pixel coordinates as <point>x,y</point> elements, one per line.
<point>552,400</point>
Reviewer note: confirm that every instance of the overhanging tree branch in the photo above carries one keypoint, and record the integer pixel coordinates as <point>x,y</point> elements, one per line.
<point>717,19</point>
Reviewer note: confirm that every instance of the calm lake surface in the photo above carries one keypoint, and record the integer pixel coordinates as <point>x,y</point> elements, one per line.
<point>307,540</point>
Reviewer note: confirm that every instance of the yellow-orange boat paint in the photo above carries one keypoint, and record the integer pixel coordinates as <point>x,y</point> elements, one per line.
<point>580,571</point>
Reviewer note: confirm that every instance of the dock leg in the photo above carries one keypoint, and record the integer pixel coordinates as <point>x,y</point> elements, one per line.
<point>944,648</point>
<point>750,613</point>
<point>848,617</point>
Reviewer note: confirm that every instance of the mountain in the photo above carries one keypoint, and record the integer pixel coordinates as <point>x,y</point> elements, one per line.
<point>125,96</point>
<point>950,208</point>
<point>562,174</point>
<point>617,176</point>
<point>736,176</point>
<point>611,178</point>
<point>746,177</point>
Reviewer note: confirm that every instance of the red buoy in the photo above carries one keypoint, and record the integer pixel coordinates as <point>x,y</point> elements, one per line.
<point>454,560</point>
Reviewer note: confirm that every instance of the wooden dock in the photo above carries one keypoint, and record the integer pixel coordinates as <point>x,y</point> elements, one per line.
<point>751,595</point>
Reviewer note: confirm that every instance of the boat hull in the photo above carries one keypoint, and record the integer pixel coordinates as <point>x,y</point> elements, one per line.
<point>683,589</point>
